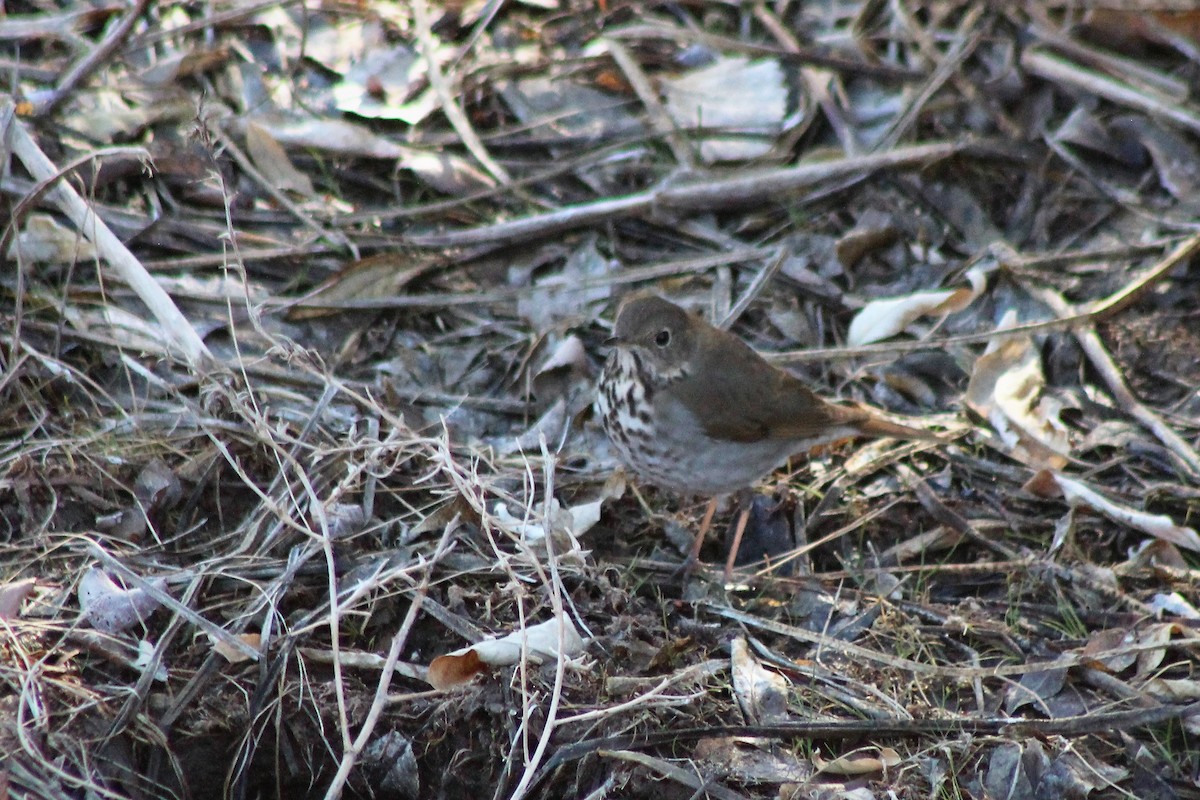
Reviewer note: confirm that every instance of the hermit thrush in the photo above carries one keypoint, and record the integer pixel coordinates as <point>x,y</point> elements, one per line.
<point>694,409</point>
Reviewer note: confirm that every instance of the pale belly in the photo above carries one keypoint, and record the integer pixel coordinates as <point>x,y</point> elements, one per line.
<point>670,450</point>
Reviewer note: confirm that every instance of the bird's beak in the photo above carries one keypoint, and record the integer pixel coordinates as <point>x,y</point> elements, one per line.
<point>612,341</point>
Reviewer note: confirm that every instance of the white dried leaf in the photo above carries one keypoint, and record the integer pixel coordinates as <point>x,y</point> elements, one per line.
<point>111,608</point>
<point>747,97</point>
<point>1006,389</point>
<point>573,521</point>
<point>881,319</point>
<point>541,642</point>
<point>43,240</point>
<point>1173,603</point>
<point>1157,525</point>
<point>761,693</point>
<point>145,654</point>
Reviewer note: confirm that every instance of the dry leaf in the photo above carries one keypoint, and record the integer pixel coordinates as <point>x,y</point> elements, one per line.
<point>1006,389</point>
<point>111,608</point>
<point>455,669</point>
<point>1035,688</point>
<point>1099,651</point>
<point>235,655</point>
<point>736,93</point>
<point>12,595</point>
<point>574,521</point>
<point>372,278</point>
<point>44,240</point>
<point>761,693</point>
<point>1173,603</point>
<point>272,161</point>
<point>1155,633</point>
<point>858,763</point>
<point>144,659</point>
<point>881,319</point>
<point>1079,494</point>
<point>540,642</point>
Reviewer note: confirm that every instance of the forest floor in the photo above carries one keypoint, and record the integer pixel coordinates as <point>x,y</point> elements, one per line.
<point>309,304</point>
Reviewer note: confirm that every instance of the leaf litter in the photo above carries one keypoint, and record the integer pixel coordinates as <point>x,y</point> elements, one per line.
<point>308,304</point>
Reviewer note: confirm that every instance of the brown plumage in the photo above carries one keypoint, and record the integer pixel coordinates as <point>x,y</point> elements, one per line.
<point>693,408</point>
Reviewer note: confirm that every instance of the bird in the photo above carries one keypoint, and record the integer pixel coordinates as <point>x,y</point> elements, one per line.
<point>693,409</point>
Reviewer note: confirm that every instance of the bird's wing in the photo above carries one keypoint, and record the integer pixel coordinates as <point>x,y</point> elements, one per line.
<point>758,401</point>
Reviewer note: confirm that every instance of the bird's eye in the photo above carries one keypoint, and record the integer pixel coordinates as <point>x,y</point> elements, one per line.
<point>662,338</point>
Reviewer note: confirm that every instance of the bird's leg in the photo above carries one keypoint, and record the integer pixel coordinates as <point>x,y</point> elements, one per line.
<point>738,532</point>
<point>706,523</point>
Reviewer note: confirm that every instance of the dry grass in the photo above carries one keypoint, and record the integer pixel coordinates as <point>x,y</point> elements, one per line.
<point>304,451</point>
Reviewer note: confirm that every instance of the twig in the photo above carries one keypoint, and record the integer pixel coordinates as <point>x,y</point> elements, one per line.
<point>967,38</point>
<point>1071,317</point>
<point>243,161</point>
<point>30,200</point>
<point>760,281</point>
<point>456,116</point>
<point>90,64</point>
<point>557,591</point>
<point>1059,70</point>
<point>826,57</point>
<point>842,729</point>
<point>700,785</point>
<point>174,325</point>
<point>379,702</point>
<point>441,300</point>
<point>707,195</point>
<point>815,80</point>
<point>1111,374</point>
<point>867,655</point>
<point>660,121</point>
<point>1136,74</point>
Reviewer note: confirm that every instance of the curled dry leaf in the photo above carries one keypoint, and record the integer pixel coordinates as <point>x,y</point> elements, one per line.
<point>111,608</point>
<point>145,658</point>
<point>12,595</point>
<point>232,654</point>
<point>1046,482</point>
<point>157,486</point>
<point>1173,603</point>
<point>733,93</point>
<point>1153,554</point>
<point>881,319</point>
<point>574,521</point>
<point>272,161</point>
<point>1006,389</point>
<point>858,763</point>
<point>761,693</point>
<point>541,642</point>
